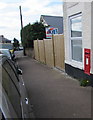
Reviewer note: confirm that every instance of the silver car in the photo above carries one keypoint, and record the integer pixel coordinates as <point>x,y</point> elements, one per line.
<point>6,52</point>
<point>14,101</point>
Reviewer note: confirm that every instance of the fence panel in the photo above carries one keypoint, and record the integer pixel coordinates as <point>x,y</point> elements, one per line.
<point>36,50</point>
<point>49,52</point>
<point>41,51</point>
<point>59,55</point>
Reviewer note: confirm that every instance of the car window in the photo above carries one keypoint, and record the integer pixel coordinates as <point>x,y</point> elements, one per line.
<point>12,92</point>
<point>6,46</point>
<point>6,52</point>
<point>11,71</point>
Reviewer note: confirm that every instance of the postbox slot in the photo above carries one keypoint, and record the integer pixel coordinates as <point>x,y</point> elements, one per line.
<point>87,53</point>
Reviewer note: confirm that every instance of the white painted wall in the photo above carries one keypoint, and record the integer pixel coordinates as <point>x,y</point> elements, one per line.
<point>69,10</point>
<point>87,27</point>
<point>92,37</point>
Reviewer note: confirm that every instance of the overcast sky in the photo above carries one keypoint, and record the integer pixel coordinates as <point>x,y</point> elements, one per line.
<point>31,10</point>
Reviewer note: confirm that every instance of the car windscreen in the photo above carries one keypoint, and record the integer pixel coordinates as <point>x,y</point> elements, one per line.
<point>6,46</point>
<point>6,52</point>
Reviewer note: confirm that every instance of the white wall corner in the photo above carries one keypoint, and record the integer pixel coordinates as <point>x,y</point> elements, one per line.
<point>92,37</point>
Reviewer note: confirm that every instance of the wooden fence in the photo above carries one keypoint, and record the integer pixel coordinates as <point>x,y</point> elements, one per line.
<point>50,51</point>
<point>41,51</point>
<point>58,42</point>
<point>36,50</point>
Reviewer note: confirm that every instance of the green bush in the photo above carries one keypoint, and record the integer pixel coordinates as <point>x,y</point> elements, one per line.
<point>84,82</point>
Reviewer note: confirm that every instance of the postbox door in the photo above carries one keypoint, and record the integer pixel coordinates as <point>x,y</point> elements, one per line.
<point>87,65</point>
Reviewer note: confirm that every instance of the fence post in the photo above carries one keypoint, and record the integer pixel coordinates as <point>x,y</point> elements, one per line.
<point>44,51</point>
<point>53,49</point>
<point>38,50</point>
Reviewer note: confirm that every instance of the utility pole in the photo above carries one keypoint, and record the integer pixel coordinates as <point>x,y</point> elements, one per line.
<point>21,29</point>
<point>21,17</point>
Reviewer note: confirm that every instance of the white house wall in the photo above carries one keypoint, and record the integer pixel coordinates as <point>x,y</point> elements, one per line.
<point>87,28</point>
<point>92,37</point>
<point>87,25</point>
<point>72,9</point>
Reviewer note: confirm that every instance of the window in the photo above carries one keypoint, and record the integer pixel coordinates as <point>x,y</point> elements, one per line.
<point>12,92</point>
<point>76,37</point>
<point>12,72</point>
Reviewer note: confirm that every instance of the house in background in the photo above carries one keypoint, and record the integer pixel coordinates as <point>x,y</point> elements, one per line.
<point>53,24</point>
<point>4,40</point>
<point>78,35</point>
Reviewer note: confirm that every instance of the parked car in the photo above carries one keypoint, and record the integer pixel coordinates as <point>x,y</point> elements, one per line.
<point>7,46</point>
<point>15,103</point>
<point>20,47</point>
<point>7,53</point>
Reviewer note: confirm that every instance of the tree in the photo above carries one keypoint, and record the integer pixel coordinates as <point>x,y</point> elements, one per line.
<point>32,32</point>
<point>38,31</point>
<point>16,44</point>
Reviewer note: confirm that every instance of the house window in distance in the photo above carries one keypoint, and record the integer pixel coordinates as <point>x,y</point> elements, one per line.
<point>76,37</point>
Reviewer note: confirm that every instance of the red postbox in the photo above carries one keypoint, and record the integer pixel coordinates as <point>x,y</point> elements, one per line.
<point>87,64</point>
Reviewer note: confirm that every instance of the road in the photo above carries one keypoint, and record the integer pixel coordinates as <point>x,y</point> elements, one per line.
<point>19,54</point>
<point>53,93</point>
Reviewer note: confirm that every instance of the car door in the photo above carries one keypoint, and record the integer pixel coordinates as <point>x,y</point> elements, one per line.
<point>10,84</point>
<point>12,71</point>
<point>12,93</point>
<point>26,107</point>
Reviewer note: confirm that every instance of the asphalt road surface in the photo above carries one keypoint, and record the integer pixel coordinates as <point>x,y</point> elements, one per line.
<point>53,93</point>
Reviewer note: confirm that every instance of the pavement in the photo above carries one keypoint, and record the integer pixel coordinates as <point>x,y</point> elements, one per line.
<point>53,93</point>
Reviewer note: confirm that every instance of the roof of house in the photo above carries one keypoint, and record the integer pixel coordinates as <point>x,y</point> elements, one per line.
<point>53,21</point>
<point>3,39</point>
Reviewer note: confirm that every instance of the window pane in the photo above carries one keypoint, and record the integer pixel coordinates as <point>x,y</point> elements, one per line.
<point>12,92</point>
<point>76,46</point>
<point>11,71</point>
<point>76,27</point>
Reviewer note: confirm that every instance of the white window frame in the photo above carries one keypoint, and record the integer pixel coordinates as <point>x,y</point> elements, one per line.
<point>73,38</point>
